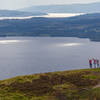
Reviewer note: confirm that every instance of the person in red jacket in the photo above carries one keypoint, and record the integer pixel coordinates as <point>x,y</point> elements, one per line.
<point>90,63</point>
<point>95,63</point>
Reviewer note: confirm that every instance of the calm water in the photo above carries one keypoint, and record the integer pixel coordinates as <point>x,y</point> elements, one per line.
<point>20,56</point>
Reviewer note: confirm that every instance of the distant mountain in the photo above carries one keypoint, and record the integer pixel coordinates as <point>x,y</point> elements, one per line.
<point>14,13</point>
<point>84,26</point>
<point>73,8</point>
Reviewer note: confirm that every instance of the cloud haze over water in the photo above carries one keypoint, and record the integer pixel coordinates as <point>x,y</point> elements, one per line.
<point>17,4</point>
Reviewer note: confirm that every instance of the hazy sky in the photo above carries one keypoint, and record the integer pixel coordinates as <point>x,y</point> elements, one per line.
<point>16,4</point>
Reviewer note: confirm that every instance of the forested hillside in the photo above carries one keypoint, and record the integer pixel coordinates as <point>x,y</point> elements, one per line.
<point>84,26</point>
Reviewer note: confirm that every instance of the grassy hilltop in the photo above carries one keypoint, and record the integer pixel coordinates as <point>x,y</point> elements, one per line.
<point>67,85</point>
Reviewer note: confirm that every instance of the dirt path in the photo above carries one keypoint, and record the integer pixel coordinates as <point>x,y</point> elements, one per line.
<point>97,86</point>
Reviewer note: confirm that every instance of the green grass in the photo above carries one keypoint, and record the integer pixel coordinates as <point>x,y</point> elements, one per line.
<point>64,85</point>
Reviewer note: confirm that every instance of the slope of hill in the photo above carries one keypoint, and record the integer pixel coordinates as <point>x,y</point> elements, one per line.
<point>73,8</point>
<point>67,85</point>
<point>84,26</point>
<point>14,13</point>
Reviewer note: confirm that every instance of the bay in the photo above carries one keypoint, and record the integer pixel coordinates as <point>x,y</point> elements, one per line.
<point>29,55</point>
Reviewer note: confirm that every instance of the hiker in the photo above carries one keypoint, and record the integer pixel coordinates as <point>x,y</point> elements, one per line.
<point>90,63</point>
<point>97,63</point>
<point>94,62</point>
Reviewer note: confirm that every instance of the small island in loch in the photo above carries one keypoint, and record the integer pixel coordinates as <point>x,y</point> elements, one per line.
<point>83,84</point>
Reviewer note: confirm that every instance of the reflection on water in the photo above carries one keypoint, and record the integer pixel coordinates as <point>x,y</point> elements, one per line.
<point>9,41</point>
<point>70,44</point>
<point>29,55</point>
